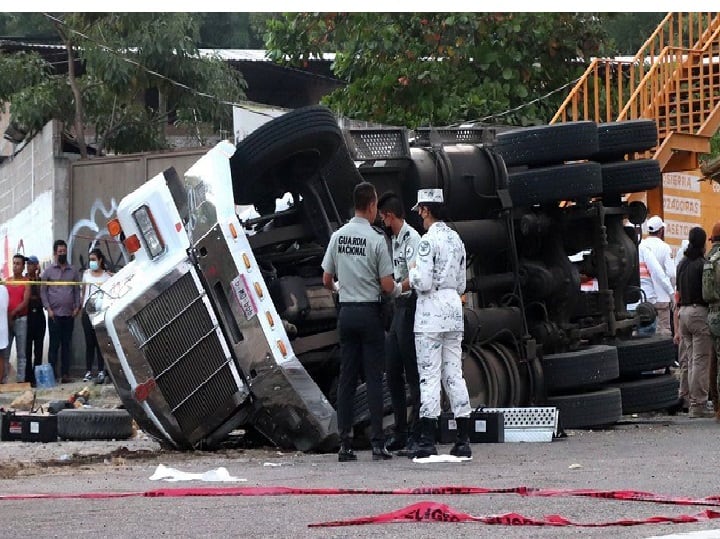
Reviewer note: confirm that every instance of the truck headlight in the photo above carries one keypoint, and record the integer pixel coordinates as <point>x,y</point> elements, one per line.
<point>145,222</point>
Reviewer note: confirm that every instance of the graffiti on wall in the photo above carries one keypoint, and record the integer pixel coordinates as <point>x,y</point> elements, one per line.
<point>91,232</point>
<point>28,233</point>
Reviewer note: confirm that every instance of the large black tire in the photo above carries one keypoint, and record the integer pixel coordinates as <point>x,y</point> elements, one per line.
<point>361,410</point>
<point>94,424</point>
<point>588,367</point>
<point>648,394</point>
<point>644,354</point>
<point>548,144</point>
<point>342,176</point>
<point>298,143</point>
<point>584,410</point>
<point>616,139</point>
<point>550,184</point>
<point>630,176</point>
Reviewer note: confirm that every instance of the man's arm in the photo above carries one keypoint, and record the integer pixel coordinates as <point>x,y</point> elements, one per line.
<point>421,273</point>
<point>44,295</point>
<point>329,281</point>
<point>387,284</point>
<point>657,271</point>
<point>670,268</point>
<point>77,298</point>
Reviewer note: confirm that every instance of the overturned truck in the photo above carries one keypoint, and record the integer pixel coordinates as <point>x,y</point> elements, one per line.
<point>218,324</point>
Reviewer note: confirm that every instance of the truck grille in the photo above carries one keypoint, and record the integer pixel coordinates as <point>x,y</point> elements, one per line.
<point>181,343</point>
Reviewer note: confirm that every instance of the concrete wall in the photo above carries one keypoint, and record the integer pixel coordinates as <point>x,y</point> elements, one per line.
<point>32,209</point>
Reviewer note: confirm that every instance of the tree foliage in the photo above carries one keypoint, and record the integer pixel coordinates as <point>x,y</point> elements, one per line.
<point>125,56</point>
<point>438,68</point>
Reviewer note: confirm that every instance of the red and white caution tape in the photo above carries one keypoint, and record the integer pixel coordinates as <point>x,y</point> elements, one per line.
<point>439,512</point>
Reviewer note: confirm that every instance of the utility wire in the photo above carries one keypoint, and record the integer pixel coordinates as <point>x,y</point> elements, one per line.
<point>522,106</point>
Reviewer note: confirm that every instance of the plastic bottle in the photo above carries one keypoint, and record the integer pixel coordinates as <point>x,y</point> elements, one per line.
<point>44,376</point>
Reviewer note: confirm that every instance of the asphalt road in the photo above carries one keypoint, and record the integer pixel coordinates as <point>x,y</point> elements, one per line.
<point>674,456</point>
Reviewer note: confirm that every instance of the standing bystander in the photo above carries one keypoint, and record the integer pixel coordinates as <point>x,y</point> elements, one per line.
<point>62,302</point>
<point>358,255</point>
<point>35,321</point>
<point>693,320</point>
<point>439,277</point>
<point>18,299</point>
<point>711,292</point>
<point>3,327</point>
<point>663,253</point>
<point>401,361</point>
<point>93,277</point>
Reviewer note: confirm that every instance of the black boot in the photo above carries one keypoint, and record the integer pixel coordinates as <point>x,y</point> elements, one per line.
<point>462,445</point>
<point>380,452</point>
<point>426,445</point>
<point>410,446</point>
<point>346,454</point>
<point>395,442</point>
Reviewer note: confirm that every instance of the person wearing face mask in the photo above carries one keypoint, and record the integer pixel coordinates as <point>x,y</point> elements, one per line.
<point>62,303</point>
<point>93,277</point>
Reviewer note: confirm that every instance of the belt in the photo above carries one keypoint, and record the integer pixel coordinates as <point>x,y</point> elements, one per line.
<point>359,304</point>
<point>693,305</point>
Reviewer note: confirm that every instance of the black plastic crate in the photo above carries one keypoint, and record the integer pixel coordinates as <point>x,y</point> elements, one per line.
<point>23,427</point>
<point>485,427</point>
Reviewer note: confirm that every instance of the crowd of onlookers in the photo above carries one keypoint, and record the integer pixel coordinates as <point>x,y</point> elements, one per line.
<point>61,291</point>
<point>688,307</point>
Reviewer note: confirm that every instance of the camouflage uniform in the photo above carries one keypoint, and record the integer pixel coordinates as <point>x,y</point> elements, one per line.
<point>713,317</point>
<point>439,277</point>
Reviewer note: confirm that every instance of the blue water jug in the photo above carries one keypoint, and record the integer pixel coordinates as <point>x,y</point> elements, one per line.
<point>44,376</point>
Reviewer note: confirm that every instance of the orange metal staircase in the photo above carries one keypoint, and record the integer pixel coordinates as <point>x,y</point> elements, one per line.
<point>674,79</point>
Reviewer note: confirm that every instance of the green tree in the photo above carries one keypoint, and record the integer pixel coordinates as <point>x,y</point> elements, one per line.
<point>231,30</point>
<point>628,31</point>
<point>438,68</point>
<point>123,56</point>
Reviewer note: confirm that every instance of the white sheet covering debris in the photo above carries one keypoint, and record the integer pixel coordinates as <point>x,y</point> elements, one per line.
<point>218,475</point>
<point>432,459</point>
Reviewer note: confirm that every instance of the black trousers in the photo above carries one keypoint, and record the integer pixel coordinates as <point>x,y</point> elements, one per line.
<point>34,342</point>
<point>91,345</point>
<point>401,366</point>
<point>60,329</point>
<point>362,345</point>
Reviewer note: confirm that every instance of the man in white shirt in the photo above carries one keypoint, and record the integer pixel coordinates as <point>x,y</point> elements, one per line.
<point>663,253</point>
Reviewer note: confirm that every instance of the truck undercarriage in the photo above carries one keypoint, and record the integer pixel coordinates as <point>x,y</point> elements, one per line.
<point>230,326</point>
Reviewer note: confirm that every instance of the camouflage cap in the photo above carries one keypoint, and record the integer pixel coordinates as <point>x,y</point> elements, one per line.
<point>429,196</point>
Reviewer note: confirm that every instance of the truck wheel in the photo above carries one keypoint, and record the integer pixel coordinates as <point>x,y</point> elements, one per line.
<point>273,157</point>
<point>592,409</point>
<point>616,139</point>
<point>550,184</point>
<point>342,176</point>
<point>630,176</point>
<point>587,367</point>
<point>94,424</point>
<point>548,144</point>
<point>361,410</point>
<point>648,394</point>
<point>644,354</point>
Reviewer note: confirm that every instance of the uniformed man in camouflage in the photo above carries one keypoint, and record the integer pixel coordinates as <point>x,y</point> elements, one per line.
<point>401,361</point>
<point>358,256</point>
<point>439,277</point>
<point>713,317</point>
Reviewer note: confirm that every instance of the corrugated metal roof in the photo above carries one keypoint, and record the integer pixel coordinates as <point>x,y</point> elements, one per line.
<point>252,55</point>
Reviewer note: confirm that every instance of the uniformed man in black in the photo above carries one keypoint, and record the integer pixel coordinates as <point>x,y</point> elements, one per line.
<point>401,361</point>
<point>358,256</point>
